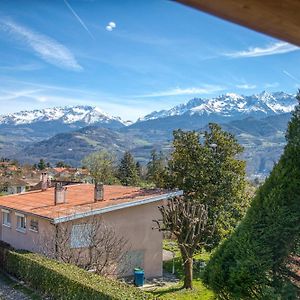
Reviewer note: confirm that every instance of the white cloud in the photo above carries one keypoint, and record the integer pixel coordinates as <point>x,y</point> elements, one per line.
<point>272,49</point>
<point>21,67</point>
<point>45,47</point>
<point>271,85</point>
<point>112,24</point>
<point>15,94</point>
<point>246,86</point>
<point>205,89</point>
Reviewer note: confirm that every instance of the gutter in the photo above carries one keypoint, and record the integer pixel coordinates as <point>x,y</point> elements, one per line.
<point>116,207</point>
<point>25,212</point>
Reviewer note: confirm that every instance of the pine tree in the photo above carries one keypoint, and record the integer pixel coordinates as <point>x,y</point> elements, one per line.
<point>127,171</point>
<point>254,262</point>
<point>41,165</point>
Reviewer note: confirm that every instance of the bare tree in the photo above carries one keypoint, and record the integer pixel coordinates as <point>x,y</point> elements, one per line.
<point>188,221</point>
<point>92,245</point>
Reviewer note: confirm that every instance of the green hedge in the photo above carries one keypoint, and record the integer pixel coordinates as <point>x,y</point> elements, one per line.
<point>252,262</point>
<point>64,281</point>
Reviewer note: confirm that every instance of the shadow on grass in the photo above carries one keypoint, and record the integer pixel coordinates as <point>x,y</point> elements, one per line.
<point>177,291</point>
<point>169,290</point>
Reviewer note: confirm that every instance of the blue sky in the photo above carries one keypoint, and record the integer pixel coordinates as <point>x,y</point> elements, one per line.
<point>159,54</point>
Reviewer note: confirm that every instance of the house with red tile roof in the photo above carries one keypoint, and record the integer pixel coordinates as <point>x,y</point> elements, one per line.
<point>27,217</point>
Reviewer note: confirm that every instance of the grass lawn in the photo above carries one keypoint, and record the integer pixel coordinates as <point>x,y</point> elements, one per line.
<point>200,292</point>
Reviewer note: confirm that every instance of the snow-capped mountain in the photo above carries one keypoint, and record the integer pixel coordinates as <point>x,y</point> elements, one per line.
<point>85,115</point>
<point>231,106</point>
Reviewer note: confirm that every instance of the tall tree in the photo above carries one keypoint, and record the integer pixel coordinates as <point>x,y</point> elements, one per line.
<point>254,262</point>
<point>101,166</point>
<point>156,168</point>
<point>205,166</point>
<point>62,164</point>
<point>127,171</point>
<point>42,165</point>
<point>188,221</point>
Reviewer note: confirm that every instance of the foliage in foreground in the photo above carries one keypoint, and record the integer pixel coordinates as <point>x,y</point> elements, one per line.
<point>207,169</point>
<point>252,263</point>
<point>64,281</point>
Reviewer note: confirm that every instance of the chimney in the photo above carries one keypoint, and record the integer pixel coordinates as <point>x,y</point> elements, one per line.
<point>59,193</point>
<point>98,192</point>
<point>44,181</point>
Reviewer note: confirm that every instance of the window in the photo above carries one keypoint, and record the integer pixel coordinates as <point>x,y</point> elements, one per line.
<point>6,218</point>
<point>34,225</point>
<point>5,189</point>
<point>19,189</point>
<point>81,235</point>
<point>21,222</point>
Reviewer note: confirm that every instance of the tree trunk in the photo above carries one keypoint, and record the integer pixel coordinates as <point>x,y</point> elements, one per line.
<point>188,273</point>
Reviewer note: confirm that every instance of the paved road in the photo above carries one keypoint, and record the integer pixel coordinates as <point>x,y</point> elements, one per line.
<point>7,292</point>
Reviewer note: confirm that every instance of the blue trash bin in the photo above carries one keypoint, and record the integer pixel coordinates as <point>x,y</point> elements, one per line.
<point>139,277</point>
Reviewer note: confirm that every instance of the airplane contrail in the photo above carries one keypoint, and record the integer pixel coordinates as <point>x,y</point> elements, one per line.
<point>79,19</point>
<point>290,75</point>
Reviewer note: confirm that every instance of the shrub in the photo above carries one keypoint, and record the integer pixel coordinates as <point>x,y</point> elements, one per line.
<point>64,281</point>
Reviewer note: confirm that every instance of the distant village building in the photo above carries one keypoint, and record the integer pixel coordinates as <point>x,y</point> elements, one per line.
<point>29,217</point>
<point>10,186</point>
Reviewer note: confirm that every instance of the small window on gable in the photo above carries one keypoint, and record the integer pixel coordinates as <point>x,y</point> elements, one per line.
<point>34,225</point>
<point>21,222</point>
<point>81,235</point>
<point>6,217</point>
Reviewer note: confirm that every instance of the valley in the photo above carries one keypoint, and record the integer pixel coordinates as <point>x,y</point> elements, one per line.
<point>69,134</point>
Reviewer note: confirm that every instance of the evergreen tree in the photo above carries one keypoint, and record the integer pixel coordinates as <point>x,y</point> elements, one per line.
<point>41,165</point>
<point>156,169</point>
<point>138,169</point>
<point>207,169</point>
<point>127,171</point>
<point>254,262</point>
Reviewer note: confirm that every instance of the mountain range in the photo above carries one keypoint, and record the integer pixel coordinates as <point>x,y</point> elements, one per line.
<point>69,133</point>
<point>197,112</point>
<point>79,115</point>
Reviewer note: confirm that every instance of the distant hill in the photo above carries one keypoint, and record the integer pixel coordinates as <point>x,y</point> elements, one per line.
<point>26,127</point>
<point>69,133</point>
<point>263,140</point>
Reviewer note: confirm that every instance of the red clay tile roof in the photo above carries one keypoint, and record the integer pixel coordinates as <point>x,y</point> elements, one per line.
<point>79,199</point>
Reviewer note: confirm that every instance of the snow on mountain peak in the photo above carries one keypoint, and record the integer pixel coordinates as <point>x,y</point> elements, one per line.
<point>67,115</point>
<point>232,105</point>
